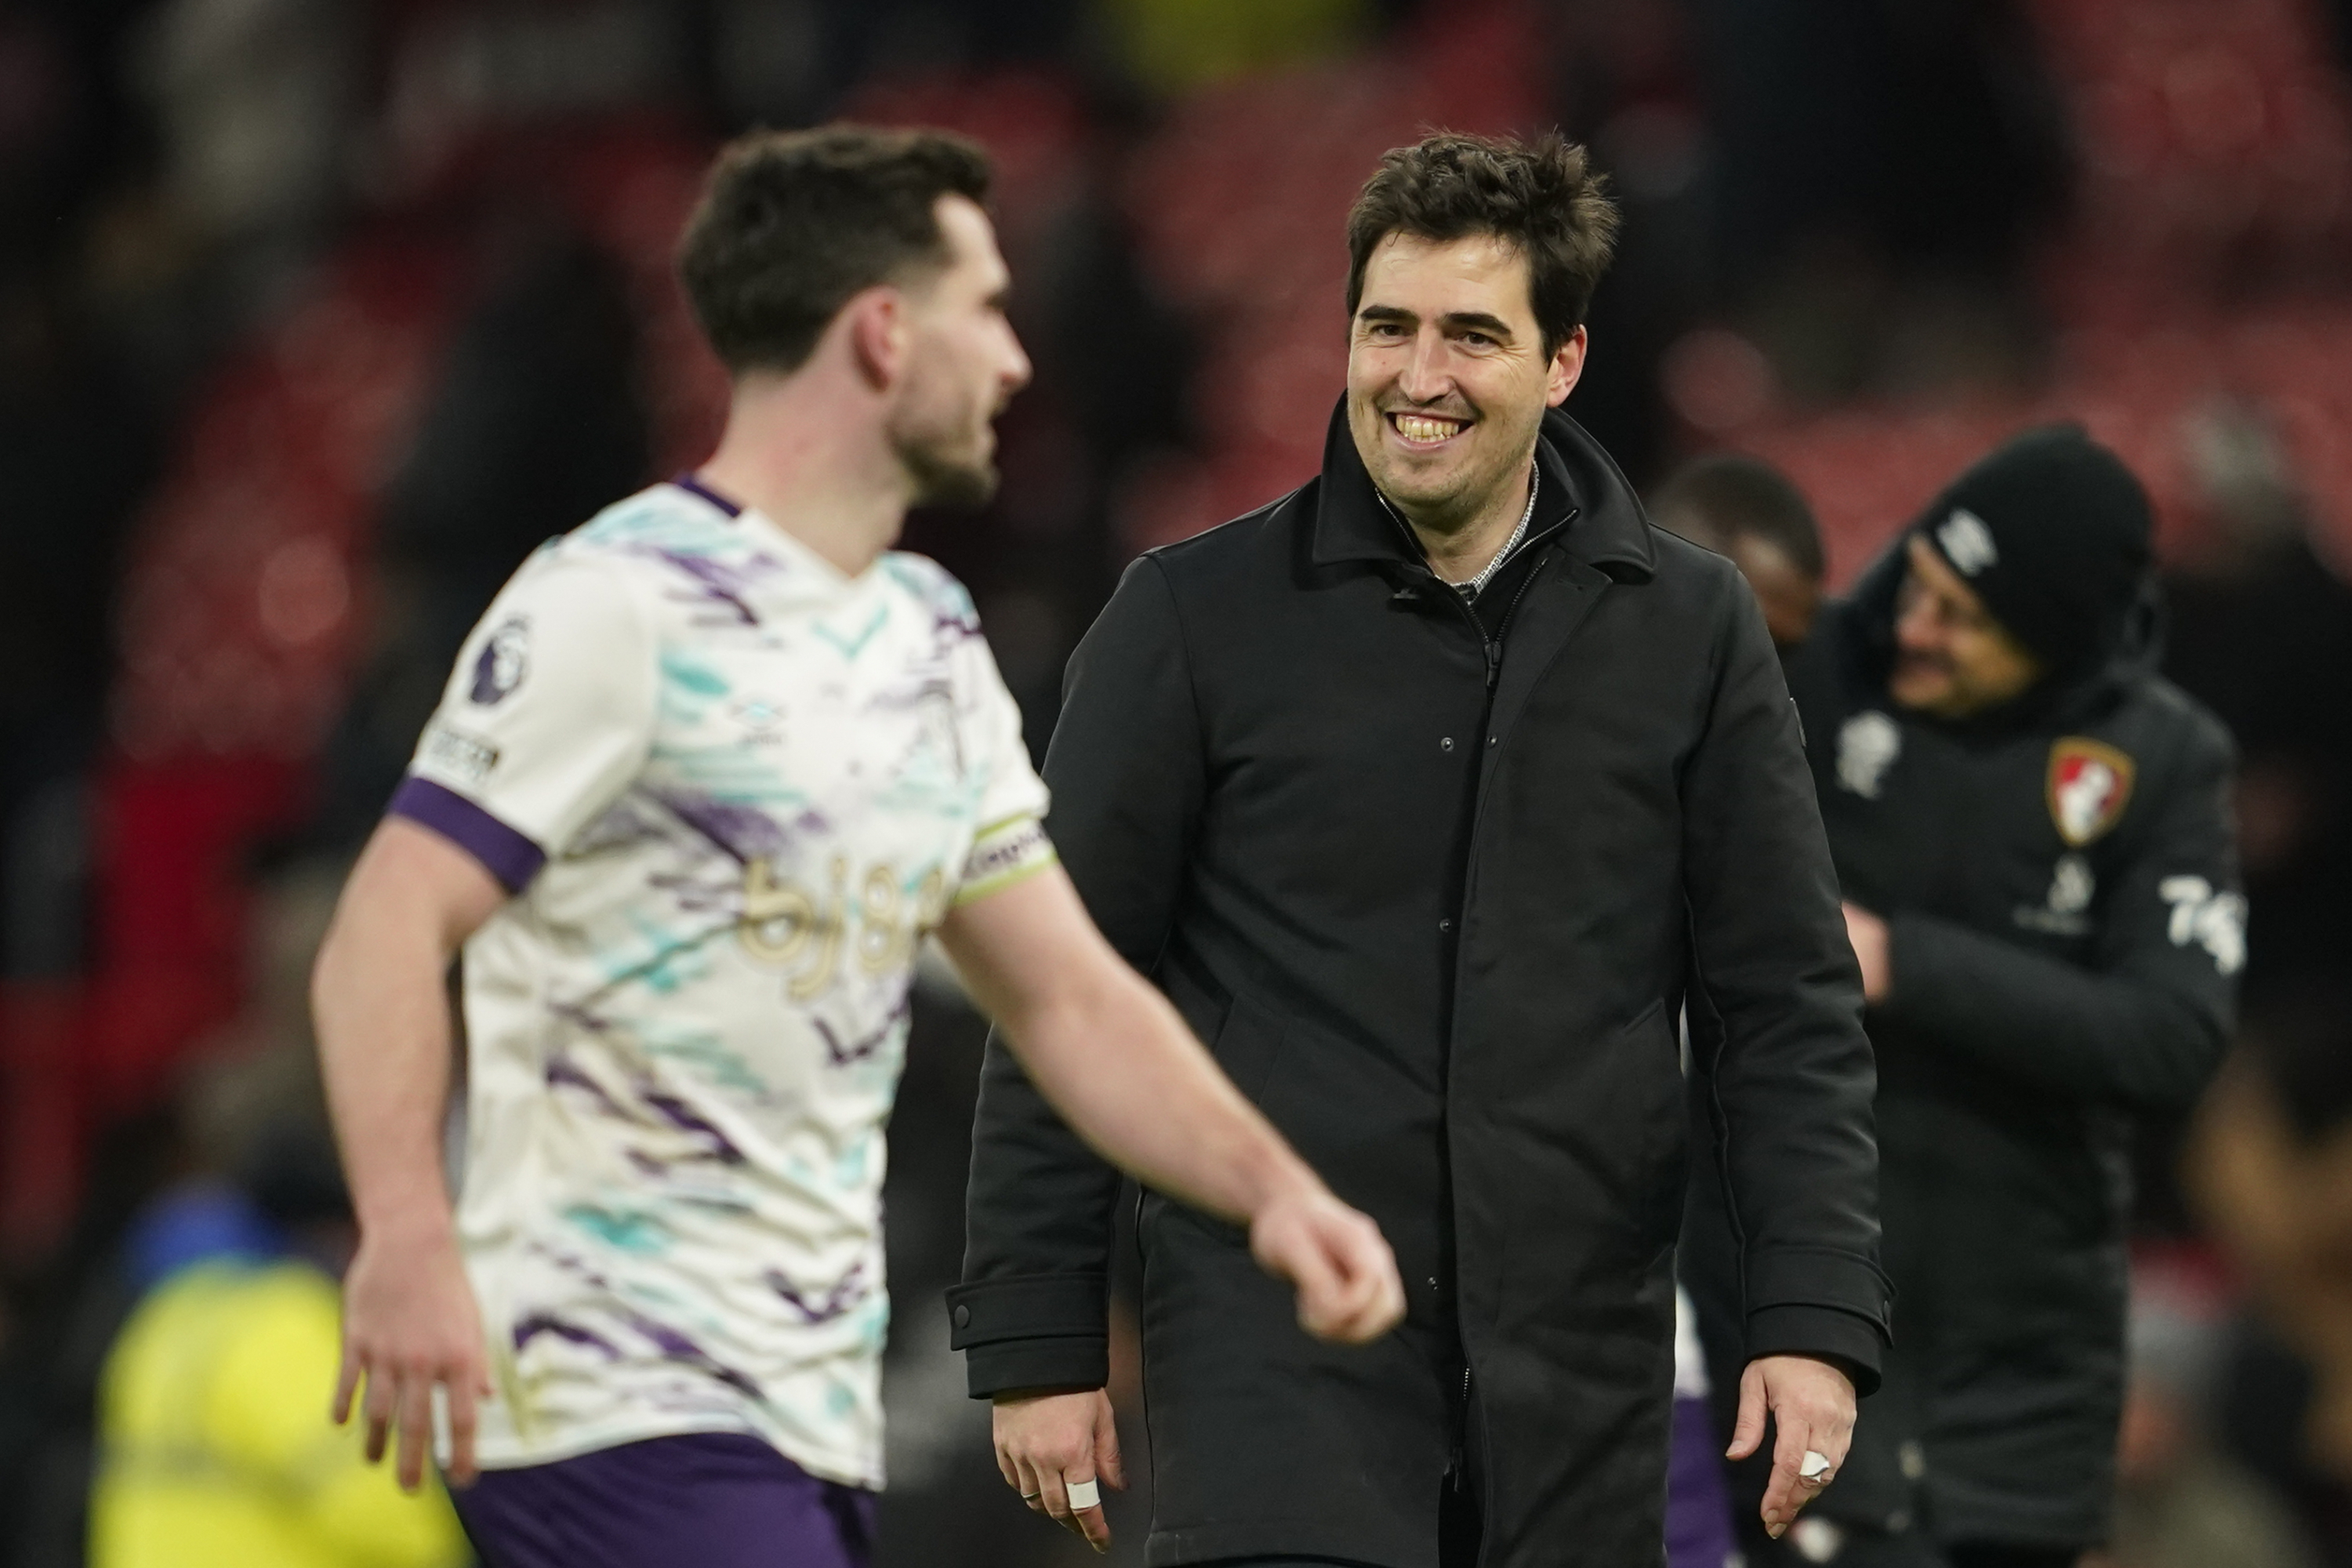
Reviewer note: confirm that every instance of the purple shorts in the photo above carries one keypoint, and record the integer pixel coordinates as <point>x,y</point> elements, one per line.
<point>716,1500</point>
<point>1699,1500</point>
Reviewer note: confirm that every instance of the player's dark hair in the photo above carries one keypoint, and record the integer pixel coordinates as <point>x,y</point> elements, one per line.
<point>1543,198</point>
<point>1724,496</point>
<point>792,224</point>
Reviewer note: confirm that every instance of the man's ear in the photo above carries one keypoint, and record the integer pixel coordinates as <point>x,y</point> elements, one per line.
<point>1567,366</point>
<point>875,323</point>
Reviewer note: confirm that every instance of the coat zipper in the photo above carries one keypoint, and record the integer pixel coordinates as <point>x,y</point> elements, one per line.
<point>1458,1460</point>
<point>1492,646</point>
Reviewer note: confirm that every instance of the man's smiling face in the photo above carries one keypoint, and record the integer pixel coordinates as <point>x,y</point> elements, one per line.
<point>1447,376</point>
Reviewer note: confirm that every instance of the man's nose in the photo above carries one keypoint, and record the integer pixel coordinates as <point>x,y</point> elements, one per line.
<point>1915,627</point>
<point>1426,377</point>
<point>1018,368</point>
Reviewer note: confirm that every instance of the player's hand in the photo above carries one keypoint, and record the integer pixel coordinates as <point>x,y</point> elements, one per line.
<point>1045,1442</point>
<point>410,1324</point>
<point>1346,1276</point>
<point>1867,932</point>
<point>1812,1403</point>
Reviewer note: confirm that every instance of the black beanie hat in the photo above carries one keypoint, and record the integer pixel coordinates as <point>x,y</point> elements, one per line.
<point>2052,532</point>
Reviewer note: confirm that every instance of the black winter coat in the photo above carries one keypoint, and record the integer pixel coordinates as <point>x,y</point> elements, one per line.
<point>2060,886</point>
<point>1434,900</point>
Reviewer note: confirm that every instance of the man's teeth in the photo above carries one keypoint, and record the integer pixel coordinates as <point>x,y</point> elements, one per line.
<point>1421,428</point>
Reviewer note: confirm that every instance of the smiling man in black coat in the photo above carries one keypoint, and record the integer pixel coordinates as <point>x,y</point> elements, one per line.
<point>1426,792</point>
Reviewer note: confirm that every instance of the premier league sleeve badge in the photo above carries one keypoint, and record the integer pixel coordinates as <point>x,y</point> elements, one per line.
<point>504,660</point>
<point>2089,784</point>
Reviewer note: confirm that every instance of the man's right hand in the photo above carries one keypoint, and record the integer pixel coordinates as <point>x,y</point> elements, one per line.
<point>1046,1441</point>
<point>410,1324</point>
<point>1346,1276</point>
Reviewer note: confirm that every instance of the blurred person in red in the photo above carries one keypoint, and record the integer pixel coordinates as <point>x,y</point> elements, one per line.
<point>2033,832</point>
<point>1424,791</point>
<point>707,773</point>
<point>1745,508</point>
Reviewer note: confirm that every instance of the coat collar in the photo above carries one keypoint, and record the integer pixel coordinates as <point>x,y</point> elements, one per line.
<point>1581,487</point>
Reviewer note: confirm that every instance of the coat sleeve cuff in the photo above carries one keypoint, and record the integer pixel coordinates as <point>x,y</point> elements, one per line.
<point>1072,1362</point>
<point>1852,1344</point>
<point>1818,1301</point>
<point>1819,1276</point>
<point>1041,1332</point>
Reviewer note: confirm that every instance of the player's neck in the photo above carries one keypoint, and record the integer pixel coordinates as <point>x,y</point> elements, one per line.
<point>817,464</point>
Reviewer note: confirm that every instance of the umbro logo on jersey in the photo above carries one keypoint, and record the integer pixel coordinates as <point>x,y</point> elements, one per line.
<point>1968,542</point>
<point>2088,787</point>
<point>502,663</point>
<point>463,755</point>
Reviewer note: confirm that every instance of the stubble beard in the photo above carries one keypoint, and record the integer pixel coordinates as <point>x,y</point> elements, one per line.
<point>940,479</point>
<point>941,469</point>
<point>1443,502</point>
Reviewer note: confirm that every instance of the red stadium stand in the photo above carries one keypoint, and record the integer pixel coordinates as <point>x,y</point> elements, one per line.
<point>1240,202</point>
<point>2205,261</point>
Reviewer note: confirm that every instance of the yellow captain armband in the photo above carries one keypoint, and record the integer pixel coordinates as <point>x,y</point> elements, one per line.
<point>1004,853</point>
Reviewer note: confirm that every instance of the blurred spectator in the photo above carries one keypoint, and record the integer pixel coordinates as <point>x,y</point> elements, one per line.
<point>2278,1197</point>
<point>213,1442</point>
<point>215,1447</point>
<point>2031,832</point>
<point>1746,509</point>
<point>198,1181</point>
<point>2262,633</point>
<point>2180,1503</point>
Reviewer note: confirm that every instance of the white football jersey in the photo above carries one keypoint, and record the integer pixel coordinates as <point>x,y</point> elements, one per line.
<point>731,790</point>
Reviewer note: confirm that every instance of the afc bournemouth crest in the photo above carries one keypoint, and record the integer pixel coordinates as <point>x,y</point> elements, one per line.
<point>2090,783</point>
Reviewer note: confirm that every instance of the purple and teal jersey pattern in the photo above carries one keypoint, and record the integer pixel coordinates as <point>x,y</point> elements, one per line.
<point>731,790</point>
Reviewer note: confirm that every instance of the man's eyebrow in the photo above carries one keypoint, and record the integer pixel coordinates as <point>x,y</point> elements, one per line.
<point>1476,321</point>
<point>1452,320</point>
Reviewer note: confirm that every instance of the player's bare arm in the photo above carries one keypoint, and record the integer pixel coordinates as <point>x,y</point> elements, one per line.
<point>410,1324</point>
<point>1117,1060</point>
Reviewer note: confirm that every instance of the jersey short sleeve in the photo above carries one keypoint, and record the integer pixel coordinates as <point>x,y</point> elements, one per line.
<point>1010,841</point>
<point>547,717</point>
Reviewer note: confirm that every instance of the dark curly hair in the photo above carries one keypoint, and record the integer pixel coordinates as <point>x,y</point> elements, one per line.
<point>1544,197</point>
<point>792,224</point>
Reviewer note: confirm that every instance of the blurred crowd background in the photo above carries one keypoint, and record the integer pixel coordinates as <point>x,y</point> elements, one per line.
<point>317,315</point>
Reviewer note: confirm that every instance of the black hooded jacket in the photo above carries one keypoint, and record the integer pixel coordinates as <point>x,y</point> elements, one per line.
<point>1432,882</point>
<point>2060,886</point>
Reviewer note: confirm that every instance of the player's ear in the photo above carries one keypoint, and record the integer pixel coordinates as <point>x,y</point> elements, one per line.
<point>875,323</point>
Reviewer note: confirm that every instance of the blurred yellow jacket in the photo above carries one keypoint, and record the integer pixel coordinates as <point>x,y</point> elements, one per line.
<point>215,1445</point>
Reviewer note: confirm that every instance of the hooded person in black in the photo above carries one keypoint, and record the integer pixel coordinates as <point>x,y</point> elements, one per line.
<point>2031,832</point>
